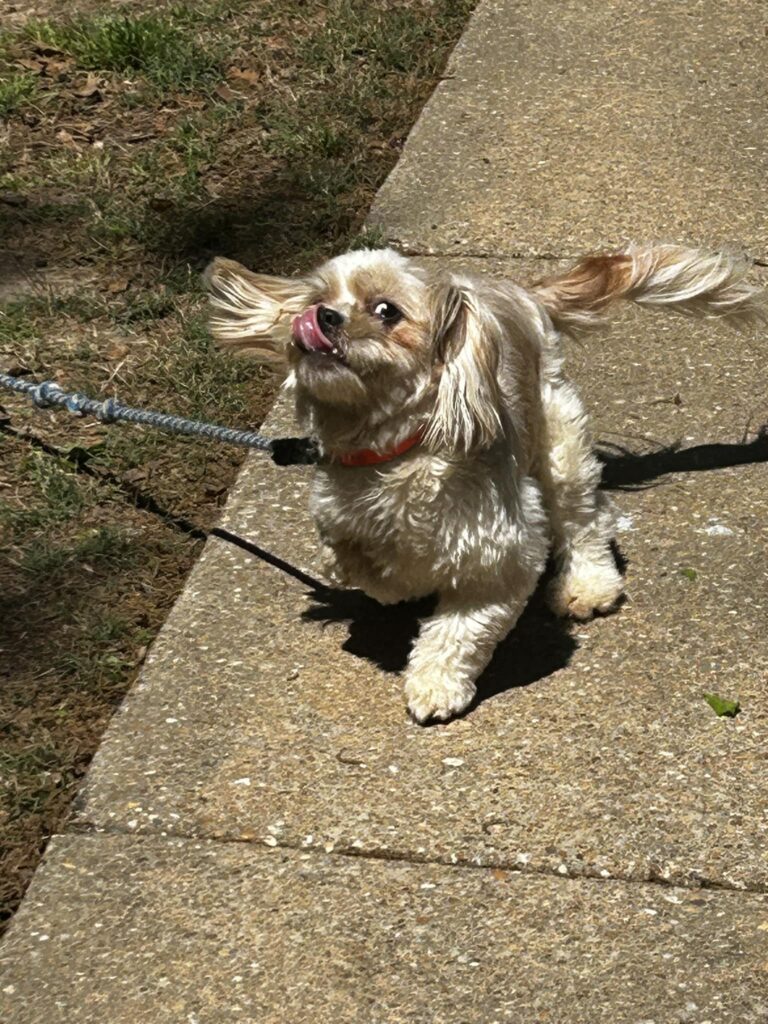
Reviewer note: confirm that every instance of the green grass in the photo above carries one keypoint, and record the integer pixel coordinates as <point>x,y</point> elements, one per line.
<point>152,45</point>
<point>59,494</point>
<point>15,92</point>
<point>104,546</point>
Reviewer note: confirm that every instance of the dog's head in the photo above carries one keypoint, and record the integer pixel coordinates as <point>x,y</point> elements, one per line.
<point>371,335</point>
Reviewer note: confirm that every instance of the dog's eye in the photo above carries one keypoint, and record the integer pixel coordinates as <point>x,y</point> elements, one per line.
<point>387,312</point>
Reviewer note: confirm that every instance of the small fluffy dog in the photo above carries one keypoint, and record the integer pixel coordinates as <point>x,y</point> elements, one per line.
<point>457,454</point>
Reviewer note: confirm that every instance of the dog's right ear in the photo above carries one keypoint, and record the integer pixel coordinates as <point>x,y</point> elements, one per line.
<point>253,312</point>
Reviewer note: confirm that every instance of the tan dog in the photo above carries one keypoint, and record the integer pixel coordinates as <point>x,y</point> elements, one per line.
<point>458,453</point>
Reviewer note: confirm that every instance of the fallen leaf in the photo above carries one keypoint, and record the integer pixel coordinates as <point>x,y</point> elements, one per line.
<point>225,93</point>
<point>244,75</point>
<point>722,707</point>
<point>135,476</point>
<point>119,284</point>
<point>64,137</point>
<point>90,90</point>
<point>80,455</point>
<point>499,874</point>
<point>35,66</point>
<point>57,68</point>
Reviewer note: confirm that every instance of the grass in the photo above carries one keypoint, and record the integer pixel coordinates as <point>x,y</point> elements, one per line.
<point>152,45</point>
<point>135,146</point>
<point>15,92</point>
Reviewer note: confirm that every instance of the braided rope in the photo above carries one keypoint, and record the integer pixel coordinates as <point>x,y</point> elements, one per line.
<point>284,450</point>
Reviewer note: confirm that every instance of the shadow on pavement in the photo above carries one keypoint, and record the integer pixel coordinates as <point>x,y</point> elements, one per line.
<point>624,469</point>
<point>539,645</point>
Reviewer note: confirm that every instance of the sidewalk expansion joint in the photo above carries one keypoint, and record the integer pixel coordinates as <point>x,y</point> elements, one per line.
<point>426,252</point>
<point>348,852</point>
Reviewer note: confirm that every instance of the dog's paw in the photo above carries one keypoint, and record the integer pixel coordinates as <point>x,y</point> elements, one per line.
<point>437,697</point>
<point>589,590</point>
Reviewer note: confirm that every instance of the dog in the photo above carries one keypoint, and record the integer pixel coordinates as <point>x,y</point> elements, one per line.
<point>457,456</point>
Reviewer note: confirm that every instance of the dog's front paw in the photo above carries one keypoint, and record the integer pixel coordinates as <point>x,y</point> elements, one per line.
<point>592,589</point>
<point>433,696</point>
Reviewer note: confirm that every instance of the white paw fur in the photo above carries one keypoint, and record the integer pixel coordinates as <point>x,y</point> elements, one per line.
<point>437,696</point>
<point>591,589</point>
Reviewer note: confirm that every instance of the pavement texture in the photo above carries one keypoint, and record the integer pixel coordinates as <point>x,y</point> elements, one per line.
<point>265,836</point>
<point>151,929</point>
<point>571,125</point>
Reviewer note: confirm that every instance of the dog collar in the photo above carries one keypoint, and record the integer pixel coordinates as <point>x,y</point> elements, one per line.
<point>368,457</point>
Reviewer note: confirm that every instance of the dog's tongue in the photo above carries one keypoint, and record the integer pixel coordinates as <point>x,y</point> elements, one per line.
<point>307,333</point>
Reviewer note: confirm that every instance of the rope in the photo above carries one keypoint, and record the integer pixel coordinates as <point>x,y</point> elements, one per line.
<point>285,451</point>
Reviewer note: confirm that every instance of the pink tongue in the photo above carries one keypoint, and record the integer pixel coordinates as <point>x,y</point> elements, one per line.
<point>307,333</point>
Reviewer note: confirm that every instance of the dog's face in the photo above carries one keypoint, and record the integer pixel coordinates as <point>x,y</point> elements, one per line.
<point>353,331</point>
<point>364,335</point>
<point>369,332</point>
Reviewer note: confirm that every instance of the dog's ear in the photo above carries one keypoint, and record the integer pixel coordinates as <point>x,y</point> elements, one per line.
<point>253,312</point>
<point>466,353</point>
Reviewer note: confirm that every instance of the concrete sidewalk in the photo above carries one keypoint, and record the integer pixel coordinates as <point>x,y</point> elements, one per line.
<point>264,836</point>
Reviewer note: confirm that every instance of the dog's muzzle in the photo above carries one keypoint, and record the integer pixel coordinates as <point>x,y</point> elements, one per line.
<point>314,330</point>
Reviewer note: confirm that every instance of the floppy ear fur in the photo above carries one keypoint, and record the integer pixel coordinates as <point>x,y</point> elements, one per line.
<point>467,339</point>
<point>253,312</point>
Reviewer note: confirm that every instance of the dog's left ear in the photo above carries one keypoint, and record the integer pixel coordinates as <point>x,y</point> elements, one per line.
<point>466,347</point>
<point>253,312</point>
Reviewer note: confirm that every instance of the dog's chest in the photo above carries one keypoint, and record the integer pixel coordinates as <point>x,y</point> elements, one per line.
<point>418,511</point>
<point>392,511</point>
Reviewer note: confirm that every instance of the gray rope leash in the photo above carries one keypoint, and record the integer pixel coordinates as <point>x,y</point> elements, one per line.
<point>285,451</point>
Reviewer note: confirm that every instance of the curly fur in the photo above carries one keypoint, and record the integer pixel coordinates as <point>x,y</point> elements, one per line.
<point>505,472</point>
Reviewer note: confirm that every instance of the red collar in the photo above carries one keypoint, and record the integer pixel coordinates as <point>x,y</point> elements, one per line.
<point>368,457</point>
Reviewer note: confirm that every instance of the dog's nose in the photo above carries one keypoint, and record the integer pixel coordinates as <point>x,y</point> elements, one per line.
<point>328,318</point>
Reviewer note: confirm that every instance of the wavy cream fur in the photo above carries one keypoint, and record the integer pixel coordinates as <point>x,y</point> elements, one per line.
<point>505,472</point>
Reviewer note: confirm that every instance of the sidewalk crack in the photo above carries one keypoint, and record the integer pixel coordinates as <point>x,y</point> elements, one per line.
<point>349,852</point>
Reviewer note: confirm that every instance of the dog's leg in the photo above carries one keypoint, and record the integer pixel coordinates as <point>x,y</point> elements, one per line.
<point>581,516</point>
<point>454,646</point>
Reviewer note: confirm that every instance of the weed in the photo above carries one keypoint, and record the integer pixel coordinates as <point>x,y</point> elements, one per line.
<point>59,496</point>
<point>105,546</point>
<point>205,382</point>
<point>16,323</point>
<point>145,308</point>
<point>152,45</point>
<point>15,92</point>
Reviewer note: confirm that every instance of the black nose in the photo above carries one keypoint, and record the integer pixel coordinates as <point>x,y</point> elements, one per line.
<point>329,318</point>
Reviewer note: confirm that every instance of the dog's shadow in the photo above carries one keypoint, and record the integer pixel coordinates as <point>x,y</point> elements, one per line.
<point>539,645</point>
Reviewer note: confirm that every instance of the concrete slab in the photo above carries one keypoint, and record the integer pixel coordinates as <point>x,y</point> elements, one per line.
<point>269,715</point>
<point>578,124</point>
<point>124,929</point>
